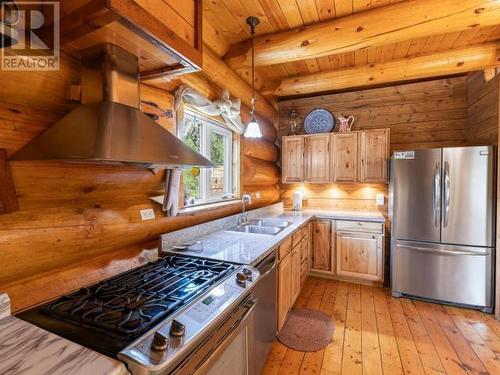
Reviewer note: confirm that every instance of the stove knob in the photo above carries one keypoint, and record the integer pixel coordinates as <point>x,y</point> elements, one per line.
<point>160,342</point>
<point>241,278</point>
<point>247,273</point>
<point>177,329</point>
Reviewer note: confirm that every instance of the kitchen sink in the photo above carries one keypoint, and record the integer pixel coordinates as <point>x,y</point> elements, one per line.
<point>262,226</point>
<point>270,223</point>
<point>256,229</point>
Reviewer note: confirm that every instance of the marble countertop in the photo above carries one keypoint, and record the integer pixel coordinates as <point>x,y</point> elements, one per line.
<point>249,248</point>
<point>29,350</point>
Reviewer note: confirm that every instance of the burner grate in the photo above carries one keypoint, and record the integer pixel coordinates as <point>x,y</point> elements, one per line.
<point>134,301</point>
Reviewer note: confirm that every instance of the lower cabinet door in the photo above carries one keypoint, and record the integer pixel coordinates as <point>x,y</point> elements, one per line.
<point>360,255</point>
<point>296,272</point>
<point>284,288</point>
<point>322,249</point>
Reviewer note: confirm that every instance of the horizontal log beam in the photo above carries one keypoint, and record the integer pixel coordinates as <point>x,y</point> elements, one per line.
<point>434,65</point>
<point>390,24</point>
<point>260,149</point>
<point>258,172</point>
<point>217,71</point>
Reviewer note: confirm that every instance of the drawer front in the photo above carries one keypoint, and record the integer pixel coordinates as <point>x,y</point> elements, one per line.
<point>296,237</point>
<point>284,248</point>
<point>360,226</point>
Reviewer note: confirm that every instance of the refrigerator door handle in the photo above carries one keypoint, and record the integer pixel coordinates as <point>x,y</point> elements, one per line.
<point>446,193</point>
<point>436,197</point>
<point>442,252</point>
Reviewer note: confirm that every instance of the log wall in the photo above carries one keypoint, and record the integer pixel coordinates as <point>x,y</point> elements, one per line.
<point>419,115</point>
<point>78,224</point>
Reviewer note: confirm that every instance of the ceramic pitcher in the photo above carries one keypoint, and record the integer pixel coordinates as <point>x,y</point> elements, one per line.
<point>345,123</point>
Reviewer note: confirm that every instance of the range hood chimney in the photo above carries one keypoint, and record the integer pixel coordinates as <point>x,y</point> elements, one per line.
<point>109,127</point>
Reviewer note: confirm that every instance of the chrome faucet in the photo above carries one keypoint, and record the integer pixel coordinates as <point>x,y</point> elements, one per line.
<point>243,218</point>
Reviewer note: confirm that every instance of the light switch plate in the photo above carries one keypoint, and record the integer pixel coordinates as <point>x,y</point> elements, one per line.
<point>380,199</point>
<point>147,214</point>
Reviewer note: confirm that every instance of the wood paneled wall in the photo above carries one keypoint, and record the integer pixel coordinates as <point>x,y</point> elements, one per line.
<point>483,111</point>
<point>78,224</point>
<point>420,115</point>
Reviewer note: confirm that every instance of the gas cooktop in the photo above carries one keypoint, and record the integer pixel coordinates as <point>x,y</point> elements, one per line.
<point>111,314</point>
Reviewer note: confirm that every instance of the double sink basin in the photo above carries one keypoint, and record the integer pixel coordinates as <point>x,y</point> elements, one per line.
<point>261,226</point>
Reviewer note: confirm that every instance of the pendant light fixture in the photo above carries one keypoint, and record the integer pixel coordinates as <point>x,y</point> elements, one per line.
<point>253,127</point>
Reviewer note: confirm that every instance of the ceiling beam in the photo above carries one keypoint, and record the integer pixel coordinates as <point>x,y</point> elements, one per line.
<point>390,24</point>
<point>427,66</point>
<point>221,75</point>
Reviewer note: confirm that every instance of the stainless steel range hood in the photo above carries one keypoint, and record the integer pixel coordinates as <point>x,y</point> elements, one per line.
<point>109,127</point>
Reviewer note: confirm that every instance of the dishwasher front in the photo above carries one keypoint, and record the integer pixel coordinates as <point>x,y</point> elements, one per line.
<point>265,292</point>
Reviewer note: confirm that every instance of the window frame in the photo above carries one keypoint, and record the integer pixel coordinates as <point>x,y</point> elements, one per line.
<point>209,126</point>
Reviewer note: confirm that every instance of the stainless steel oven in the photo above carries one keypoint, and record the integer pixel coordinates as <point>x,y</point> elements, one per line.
<point>228,349</point>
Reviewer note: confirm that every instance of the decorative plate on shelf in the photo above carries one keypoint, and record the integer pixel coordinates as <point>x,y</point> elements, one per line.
<point>318,121</point>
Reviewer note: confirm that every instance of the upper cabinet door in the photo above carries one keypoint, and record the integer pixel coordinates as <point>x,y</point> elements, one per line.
<point>292,156</point>
<point>374,154</point>
<point>344,157</point>
<point>318,158</point>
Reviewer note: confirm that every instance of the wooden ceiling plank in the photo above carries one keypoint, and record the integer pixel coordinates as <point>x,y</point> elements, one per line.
<point>326,9</point>
<point>466,37</point>
<point>374,54</point>
<point>291,12</point>
<point>388,52</point>
<point>308,11</point>
<point>361,56</point>
<point>401,49</point>
<point>375,27</point>
<point>275,14</point>
<point>343,8</point>
<point>361,5</point>
<point>456,61</point>
<point>448,41</point>
<point>253,8</point>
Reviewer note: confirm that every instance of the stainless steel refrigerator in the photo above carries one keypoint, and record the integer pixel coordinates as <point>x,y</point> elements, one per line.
<point>442,206</point>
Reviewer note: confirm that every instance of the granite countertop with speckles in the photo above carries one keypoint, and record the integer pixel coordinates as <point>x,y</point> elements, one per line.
<point>29,350</point>
<point>250,248</point>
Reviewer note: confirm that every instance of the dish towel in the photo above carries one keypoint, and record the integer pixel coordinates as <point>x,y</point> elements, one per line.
<point>171,197</point>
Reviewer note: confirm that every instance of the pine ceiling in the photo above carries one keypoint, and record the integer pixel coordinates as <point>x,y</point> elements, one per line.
<point>225,25</point>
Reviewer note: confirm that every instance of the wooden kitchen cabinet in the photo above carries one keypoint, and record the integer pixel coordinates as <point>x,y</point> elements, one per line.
<point>360,156</point>
<point>284,288</point>
<point>344,157</point>
<point>292,163</point>
<point>322,246</point>
<point>296,273</point>
<point>373,155</point>
<point>317,155</point>
<point>360,255</point>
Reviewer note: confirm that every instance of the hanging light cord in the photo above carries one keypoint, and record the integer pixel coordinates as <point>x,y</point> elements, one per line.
<point>252,31</point>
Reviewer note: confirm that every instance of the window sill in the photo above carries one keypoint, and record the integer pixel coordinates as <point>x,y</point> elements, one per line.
<point>207,207</point>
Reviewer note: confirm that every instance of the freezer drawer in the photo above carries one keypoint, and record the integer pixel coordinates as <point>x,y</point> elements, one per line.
<point>454,274</point>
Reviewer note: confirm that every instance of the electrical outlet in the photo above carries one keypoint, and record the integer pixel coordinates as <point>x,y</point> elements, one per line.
<point>147,214</point>
<point>380,199</point>
<point>257,195</point>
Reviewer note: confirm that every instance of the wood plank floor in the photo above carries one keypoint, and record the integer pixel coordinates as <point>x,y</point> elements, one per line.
<point>377,334</point>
